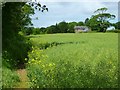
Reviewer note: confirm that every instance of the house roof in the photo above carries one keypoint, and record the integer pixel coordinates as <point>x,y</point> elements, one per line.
<point>80,27</point>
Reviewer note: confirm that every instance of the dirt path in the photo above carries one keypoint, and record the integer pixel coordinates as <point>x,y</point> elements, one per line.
<point>24,83</point>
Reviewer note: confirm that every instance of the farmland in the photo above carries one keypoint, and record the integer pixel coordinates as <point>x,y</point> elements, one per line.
<point>73,60</point>
<point>45,45</point>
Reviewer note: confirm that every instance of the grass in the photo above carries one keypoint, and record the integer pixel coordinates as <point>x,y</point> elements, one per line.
<point>74,60</point>
<point>10,78</point>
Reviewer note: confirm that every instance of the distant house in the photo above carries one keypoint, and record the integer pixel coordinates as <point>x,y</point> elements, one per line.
<point>81,29</point>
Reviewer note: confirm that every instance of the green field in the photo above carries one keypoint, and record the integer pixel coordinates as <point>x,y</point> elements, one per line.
<point>74,60</point>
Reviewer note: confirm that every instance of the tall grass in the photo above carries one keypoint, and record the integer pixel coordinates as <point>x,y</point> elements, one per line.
<point>10,78</point>
<point>90,63</point>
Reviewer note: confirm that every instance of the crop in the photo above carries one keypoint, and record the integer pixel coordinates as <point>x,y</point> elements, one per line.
<point>86,60</point>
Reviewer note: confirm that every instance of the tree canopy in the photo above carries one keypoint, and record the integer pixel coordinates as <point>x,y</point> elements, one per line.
<point>101,20</point>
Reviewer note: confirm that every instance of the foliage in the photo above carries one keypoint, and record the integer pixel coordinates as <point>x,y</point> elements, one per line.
<point>71,26</point>
<point>80,24</point>
<point>51,29</point>
<point>115,31</point>
<point>15,15</point>
<point>93,24</point>
<point>100,21</point>
<point>15,20</point>
<point>42,30</point>
<point>63,27</point>
<point>36,31</point>
<point>38,6</point>
<point>10,78</point>
<point>117,25</point>
<point>89,62</point>
<point>28,30</point>
<point>86,21</point>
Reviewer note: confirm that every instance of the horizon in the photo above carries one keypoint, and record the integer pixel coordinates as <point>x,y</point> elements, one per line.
<point>71,12</point>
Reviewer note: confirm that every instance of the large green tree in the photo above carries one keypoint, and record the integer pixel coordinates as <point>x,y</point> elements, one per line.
<point>101,20</point>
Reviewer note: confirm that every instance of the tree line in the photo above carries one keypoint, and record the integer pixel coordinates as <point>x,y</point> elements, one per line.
<point>98,22</point>
<point>68,27</point>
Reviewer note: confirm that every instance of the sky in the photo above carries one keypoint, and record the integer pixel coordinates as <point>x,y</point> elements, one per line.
<point>71,10</point>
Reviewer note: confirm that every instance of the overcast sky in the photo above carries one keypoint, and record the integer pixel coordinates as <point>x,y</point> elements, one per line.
<point>70,11</point>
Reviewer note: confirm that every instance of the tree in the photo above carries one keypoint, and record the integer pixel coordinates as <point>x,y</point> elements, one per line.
<point>36,31</point>
<point>63,27</point>
<point>80,23</point>
<point>42,30</point>
<point>86,21</point>
<point>71,26</point>
<point>93,24</point>
<point>15,17</point>
<point>51,29</point>
<point>117,25</point>
<point>101,20</point>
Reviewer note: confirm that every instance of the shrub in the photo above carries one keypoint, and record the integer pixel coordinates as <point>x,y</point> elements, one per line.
<point>115,31</point>
<point>16,51</point>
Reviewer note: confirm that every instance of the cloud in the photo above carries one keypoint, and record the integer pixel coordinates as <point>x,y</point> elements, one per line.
<point>77,0</point>
<point>70,11</point>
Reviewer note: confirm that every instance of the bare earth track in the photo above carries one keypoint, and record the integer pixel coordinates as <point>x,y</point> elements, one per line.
<point>23,77</point>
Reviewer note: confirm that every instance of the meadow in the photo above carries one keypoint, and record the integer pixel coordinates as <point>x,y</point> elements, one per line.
<point>85,60</point>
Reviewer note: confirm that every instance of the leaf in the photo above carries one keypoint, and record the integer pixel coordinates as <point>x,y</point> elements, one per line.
<point>47,9</point>
<point>29,3</point>
<point>32,4</point>
<point>39,4</point>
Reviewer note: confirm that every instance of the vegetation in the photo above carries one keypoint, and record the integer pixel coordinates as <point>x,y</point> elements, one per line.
<point>15,17</point>
<point>10,78</point>
<point>99,23</point>
<point>57,60</point>
<point>79,60</point>
<point>117,25</point>
<point>15,46</point>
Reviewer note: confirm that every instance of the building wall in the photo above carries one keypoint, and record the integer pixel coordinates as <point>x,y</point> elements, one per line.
<point>78,31</point>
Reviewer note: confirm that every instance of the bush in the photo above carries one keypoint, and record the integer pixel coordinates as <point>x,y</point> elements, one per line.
<point>117,31</point>
<point>114,31</point>
<point>17,50</point>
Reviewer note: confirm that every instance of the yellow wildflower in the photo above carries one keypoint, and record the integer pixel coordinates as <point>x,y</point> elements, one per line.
<point>50,64</point>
